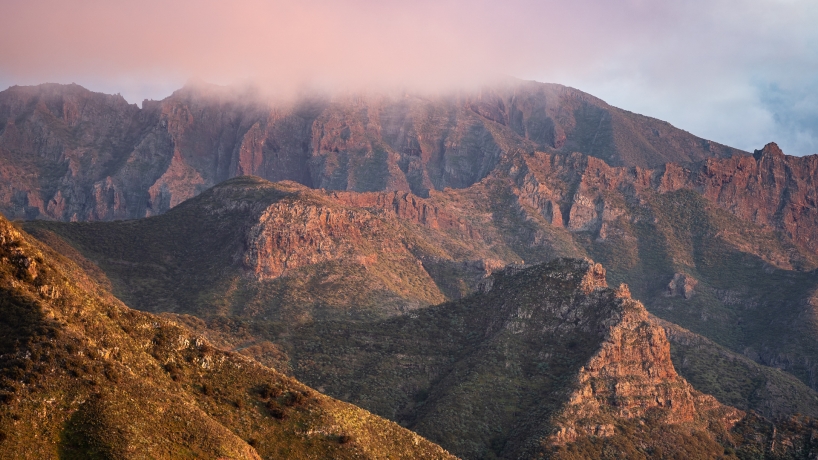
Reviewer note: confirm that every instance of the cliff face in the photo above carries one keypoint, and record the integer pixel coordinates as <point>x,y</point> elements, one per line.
<point>70,154</point>
<point>630,377</point>
<point>581,193</point>
<point>771,189</point>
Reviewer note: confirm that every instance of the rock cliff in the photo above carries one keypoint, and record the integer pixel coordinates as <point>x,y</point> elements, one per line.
<point>69,154</point>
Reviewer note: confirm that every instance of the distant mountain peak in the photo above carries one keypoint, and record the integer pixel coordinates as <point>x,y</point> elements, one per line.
<point>770,150</point>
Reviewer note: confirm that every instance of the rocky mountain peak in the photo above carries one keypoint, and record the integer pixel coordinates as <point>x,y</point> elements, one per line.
<point>770,150</point>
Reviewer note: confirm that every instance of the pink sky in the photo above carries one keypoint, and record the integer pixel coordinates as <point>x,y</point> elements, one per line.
<point>739,72</point>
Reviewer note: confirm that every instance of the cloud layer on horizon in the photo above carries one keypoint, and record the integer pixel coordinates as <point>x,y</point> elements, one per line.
<point>739,72</point>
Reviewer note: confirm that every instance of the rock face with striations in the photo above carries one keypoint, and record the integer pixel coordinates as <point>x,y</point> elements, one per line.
<point>69,154</point>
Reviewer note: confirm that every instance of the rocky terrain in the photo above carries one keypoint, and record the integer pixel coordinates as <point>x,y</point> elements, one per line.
<point>84,376</point>
<point>326,337</point>
<point>227,252</point>
<point>387,205</point>
<point>541,361</point>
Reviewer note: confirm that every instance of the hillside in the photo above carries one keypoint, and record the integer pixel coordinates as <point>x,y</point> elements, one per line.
<point>83,376</point>
<point>737,380</point>
<point>252,248</point>
<point>71,154</point>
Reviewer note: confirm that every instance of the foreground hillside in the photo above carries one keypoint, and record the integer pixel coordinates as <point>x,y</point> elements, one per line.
<point>68,153</point>
<point>83,376</point>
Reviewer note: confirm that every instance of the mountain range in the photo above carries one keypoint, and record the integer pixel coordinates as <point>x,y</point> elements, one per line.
<point>427,259</point>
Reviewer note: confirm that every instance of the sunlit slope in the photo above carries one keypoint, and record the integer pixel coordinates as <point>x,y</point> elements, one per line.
<point>83,376</point>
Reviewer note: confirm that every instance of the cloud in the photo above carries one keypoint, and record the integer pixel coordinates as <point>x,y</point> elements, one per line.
<point>794,110</point>
<point>706,66</point>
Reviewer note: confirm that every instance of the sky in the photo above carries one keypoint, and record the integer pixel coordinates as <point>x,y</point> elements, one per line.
<point>739,72</point>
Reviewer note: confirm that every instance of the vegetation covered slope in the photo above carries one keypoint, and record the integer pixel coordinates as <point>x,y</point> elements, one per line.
<point>83,376</point>
<point>737,380</point>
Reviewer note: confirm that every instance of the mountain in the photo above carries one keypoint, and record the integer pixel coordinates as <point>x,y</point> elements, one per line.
<point>83,376</point>
<point>542,361</point>
<point>366,270</point>
<point>71,154</point>
<point>545,360</point>
<point>279,272</point>
<point>748,286</point>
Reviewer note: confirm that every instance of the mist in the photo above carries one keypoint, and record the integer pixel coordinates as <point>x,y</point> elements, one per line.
<point>733,71</point>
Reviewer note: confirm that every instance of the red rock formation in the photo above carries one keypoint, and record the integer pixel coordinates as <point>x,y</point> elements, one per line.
<point>67,153</point>
<point>770,189</point>
<point>631,376</point>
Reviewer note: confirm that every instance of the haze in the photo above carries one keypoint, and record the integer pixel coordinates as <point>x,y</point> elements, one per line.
<point>739,72</point>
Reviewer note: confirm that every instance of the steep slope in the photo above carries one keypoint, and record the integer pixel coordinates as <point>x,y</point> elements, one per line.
<point>681,238</point>
<point>737,380</point>
<point>187,251</point>
<point>748,286</point>
<point>69,154</point>
<point>545,361</point>
<point>83,376</point>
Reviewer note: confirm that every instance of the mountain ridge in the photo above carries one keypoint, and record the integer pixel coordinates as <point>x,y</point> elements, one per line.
<point>103,159</point>
<point>191,260</point>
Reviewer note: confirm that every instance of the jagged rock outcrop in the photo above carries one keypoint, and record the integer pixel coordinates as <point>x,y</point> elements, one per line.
<point>584,194</point>
<point>681,285</point>
<point>631,376</point>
